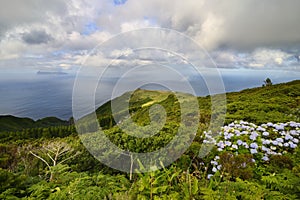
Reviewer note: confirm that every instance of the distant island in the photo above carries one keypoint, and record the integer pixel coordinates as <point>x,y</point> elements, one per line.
<point>51,73</point>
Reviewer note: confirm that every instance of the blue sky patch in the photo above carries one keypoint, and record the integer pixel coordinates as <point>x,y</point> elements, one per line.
<point>90,28</point>
<point>119,2</point>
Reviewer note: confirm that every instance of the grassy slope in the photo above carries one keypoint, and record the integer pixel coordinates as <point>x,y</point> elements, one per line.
<point>276,103</point>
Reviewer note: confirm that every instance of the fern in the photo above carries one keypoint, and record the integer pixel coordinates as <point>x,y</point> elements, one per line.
<point>286,183</point>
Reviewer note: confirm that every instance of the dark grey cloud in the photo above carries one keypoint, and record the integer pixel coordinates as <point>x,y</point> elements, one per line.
<point>237,24</point>
<point>37,37</point>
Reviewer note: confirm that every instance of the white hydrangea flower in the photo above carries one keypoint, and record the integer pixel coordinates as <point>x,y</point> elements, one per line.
<point>209,176</point>
<point>214,169</point>
<point>265,133</point>
<point>273,148</point>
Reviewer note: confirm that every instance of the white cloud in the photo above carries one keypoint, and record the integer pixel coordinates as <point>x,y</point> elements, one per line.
<point>11,49</point>
<point>257,28</point>
<point>117,53</point>
<point>211,32</point>
<point>133,25</point>
<point>266,57</point>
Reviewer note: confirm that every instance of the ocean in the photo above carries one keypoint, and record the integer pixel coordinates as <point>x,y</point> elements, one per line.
<point>42,95</point>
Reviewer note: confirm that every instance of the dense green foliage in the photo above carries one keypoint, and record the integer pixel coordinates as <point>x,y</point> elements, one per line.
<point>28,149</point>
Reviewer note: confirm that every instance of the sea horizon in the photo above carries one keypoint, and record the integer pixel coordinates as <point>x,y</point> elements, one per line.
<point>50,95</point>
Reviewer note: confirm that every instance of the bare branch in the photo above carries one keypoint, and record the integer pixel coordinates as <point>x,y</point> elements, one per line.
<point>41,159</point>
<point>46,148</point>
<point>77,153</point>
<point>50,157</point>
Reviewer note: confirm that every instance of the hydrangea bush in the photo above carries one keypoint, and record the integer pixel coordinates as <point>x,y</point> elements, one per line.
<point>261,142</point>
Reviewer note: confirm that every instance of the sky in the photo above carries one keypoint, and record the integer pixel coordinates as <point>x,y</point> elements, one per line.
<point>58,34</point>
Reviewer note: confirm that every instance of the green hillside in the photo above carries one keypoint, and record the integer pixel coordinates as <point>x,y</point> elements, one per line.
<point>275,103</point>
<point>12,123</point>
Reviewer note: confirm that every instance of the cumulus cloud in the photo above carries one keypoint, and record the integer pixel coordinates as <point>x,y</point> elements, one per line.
<point>249,33</point>
<point>267,57</point>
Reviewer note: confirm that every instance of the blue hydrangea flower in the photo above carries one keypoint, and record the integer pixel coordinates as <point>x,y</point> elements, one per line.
<point>279,140</point>
<point>293,132</point>
<point>288,137</point>
<point>253,151</point>
<point>265,158</point>
<point>221,144</point>
<point>237,132</point>
<point>294,124</point>
<point>259,128</point>
<point>279,127</point>
<point>263,148</point>
<point>266,142</point>
<point>228,143</point>
<point>245,145</point>
<point>295,140</point>
<point>286,144</point>
<point>239,142</point>
<point>252,137</point>
<point>214,162</point>
<point>253,145</point>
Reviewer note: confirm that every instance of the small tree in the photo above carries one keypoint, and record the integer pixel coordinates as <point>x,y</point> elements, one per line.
<point>268,82</point>
<point>58,153</point>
